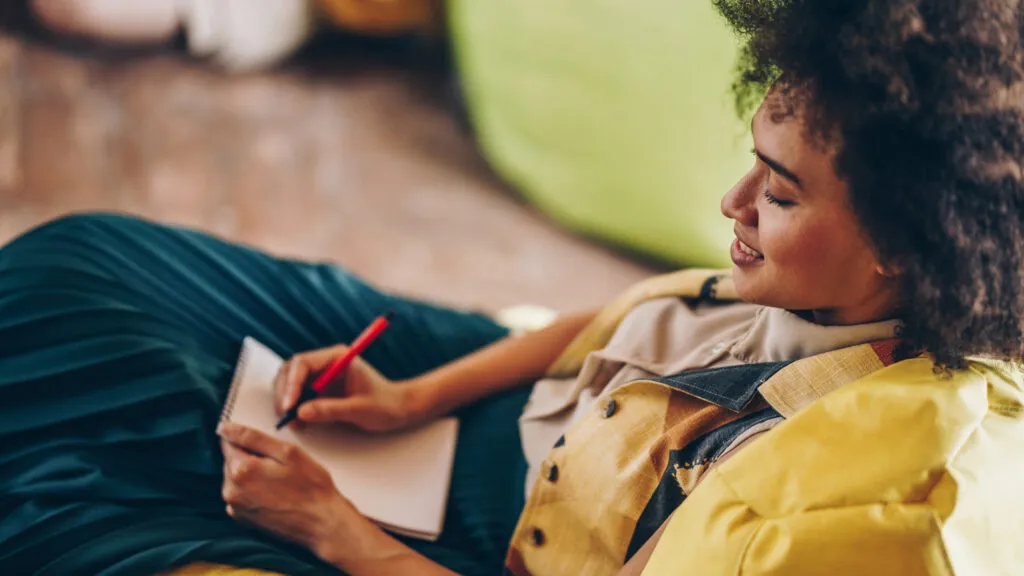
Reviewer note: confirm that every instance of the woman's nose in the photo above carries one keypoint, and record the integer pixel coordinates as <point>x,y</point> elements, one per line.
<point>740,203</point>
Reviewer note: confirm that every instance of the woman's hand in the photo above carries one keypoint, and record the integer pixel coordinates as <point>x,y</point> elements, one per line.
<point>277,487</point>
<point>359,396</point>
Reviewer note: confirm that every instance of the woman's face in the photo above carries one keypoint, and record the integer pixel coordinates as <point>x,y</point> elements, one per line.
<point>798,244</point>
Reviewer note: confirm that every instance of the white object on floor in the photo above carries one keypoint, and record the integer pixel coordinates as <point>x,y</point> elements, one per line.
<point>525,318</point>
<point>117,21</point>
<point>240,35</point>
<point>247,35</point>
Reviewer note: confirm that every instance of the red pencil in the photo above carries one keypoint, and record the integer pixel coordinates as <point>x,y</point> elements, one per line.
<point>320,384</point>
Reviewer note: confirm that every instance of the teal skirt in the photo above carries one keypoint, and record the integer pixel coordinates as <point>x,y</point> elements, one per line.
<point>118,338</point>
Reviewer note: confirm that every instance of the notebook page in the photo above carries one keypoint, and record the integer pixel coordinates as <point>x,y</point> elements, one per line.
<point>400,480</point>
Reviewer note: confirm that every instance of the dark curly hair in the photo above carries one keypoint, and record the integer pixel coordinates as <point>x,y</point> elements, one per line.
<point>924,103</point>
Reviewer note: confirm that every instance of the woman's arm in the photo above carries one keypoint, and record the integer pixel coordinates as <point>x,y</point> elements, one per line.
<point>378,554</point>
<point>501,366</point>
<point>364,398</point>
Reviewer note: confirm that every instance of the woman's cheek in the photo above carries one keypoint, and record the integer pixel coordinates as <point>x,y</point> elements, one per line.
<point>797,245</point>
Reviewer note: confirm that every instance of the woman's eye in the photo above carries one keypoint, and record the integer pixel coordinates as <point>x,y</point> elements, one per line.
<point>773,199</point>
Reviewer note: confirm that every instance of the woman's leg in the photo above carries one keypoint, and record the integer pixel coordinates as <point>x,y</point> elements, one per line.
<point>118,339</point>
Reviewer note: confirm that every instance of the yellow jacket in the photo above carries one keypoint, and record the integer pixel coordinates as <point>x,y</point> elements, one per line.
<point>903,472</point>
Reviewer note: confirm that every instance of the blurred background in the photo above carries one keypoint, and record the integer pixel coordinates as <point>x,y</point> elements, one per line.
<point>479,154</point>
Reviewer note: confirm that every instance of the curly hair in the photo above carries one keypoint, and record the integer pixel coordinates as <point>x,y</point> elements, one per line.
<point>923,101</point>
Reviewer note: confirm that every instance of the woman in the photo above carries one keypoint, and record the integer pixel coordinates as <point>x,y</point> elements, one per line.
<point>885,200</point>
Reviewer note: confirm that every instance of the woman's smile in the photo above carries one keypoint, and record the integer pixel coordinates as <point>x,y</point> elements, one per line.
<point>743,255</point>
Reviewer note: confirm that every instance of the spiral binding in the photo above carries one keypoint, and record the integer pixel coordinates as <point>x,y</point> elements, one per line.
<point>229,404</point>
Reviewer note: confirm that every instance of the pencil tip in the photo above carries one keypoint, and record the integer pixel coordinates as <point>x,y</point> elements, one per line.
<point>389,315</point>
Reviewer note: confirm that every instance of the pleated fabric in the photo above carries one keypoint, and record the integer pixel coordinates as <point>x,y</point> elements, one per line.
<point>118,339</point>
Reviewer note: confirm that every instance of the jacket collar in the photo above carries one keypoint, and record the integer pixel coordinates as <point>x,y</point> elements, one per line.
<point>778,335</point>
<point>788,386</point>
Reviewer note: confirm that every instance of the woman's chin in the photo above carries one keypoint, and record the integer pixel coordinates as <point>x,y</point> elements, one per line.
<point>748,286</point>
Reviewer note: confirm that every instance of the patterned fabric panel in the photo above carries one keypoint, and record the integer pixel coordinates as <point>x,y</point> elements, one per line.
<point>684,469</point>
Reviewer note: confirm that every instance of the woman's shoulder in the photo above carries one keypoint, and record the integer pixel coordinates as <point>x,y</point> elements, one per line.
<point>907,414</point>
<point>692,311</point>
<point>669,326</point>
<point>902,461</point>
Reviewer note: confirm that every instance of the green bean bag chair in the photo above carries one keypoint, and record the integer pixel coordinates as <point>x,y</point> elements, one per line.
<point>615,117</point>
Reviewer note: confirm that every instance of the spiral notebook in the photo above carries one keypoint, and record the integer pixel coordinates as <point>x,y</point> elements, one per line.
<point>398,480</point>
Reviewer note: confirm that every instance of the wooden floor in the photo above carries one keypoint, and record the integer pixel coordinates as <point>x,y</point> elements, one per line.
<point>358,163</point>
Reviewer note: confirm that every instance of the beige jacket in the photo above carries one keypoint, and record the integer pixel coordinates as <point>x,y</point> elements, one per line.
<point>669,335</point>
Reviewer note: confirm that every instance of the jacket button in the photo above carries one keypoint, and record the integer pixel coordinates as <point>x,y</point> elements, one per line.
<point>552,474</point>
<point>610,408</point>
<point>537,537</point>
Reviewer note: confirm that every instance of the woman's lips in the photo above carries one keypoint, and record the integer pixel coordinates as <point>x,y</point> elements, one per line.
<point>743,255</point>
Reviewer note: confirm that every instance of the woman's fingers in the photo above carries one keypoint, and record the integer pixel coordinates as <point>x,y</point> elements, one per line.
<point>347,410</point>
<point>295,374</point>
<point>242,438</point>
<point>319,360</point>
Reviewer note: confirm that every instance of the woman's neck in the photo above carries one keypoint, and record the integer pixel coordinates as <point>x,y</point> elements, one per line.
<point>846,317</point>
<point>882,306</point>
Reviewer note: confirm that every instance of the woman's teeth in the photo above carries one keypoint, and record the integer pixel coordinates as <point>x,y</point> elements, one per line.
<point>748,250</point>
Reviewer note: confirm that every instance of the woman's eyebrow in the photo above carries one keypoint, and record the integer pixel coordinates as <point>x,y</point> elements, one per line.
<point>779,169</point>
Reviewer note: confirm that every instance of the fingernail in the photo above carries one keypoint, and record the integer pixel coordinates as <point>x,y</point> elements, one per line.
<point>220,428</point>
